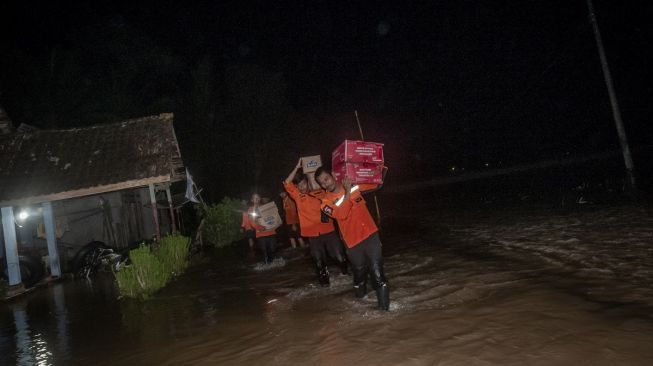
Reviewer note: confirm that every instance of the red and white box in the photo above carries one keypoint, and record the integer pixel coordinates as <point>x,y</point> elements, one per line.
<point>352,151</point>
<point>359,173</point>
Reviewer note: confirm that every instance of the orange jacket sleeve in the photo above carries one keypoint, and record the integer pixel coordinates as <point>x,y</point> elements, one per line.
<point>340,212</point>
<point>292,190</point>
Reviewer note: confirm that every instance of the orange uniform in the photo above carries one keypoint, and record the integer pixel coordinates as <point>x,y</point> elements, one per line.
<point>245,223</point>
<point>311,220</point>
<point>255,225</point>
<point>354,219</point>
<point>290,208</point>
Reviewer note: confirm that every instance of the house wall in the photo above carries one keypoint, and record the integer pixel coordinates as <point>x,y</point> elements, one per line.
<point>82,220</point>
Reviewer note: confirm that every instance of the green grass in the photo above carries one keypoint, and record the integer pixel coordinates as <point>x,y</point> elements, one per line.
<point>152,269</point>
<point>144,276</point>
<point>173,253</point>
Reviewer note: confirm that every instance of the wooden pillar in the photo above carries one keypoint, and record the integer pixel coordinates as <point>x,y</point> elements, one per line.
<point>181,221</point>
<point>173,222</point>
<point>51,237</point>
<point>155,213</point>
<point>11,246</point>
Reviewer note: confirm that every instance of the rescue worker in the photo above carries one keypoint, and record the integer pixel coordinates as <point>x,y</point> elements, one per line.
<point>265,239</point>
<point>246,227</point>
<point>292,220</point>
<point>346,205</point>
<point>316,227</point>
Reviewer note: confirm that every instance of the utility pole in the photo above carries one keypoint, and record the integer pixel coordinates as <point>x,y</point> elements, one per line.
<point>623,140</point>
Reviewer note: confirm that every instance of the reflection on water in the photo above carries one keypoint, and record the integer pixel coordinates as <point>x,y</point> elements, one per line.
<point>459,297</point>
<point>61,317</point>
<point>25,341</point>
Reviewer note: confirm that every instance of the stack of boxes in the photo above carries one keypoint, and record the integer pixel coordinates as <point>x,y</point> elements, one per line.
<point>361,161</point>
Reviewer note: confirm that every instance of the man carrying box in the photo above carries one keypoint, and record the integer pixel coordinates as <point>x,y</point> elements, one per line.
<point>265,236</point>
<point>346,205</point>
<point>315,226</point>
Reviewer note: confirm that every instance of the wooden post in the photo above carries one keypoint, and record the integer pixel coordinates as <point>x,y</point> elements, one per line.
<point>155,212</point>
<point>180,222</point>
<point>616,114</point>
<point>51,237</point>
<point>11,246</point>
<point>360,129</point>
<point>173,222</point>
<point>376,201</point>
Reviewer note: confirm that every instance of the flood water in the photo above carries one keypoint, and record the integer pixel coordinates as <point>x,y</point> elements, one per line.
<point>484,287</point>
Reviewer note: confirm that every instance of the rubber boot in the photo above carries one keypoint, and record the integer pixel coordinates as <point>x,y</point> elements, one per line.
<point>323,277</point>
<point>343,267</point>
<point>360,290</point>
<point>360,282</point>
<point>383,297</point>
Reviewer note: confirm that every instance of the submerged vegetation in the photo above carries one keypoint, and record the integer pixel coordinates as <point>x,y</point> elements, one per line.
<point>152,268</point>
<point>173,253</point>
<point>222,222</point>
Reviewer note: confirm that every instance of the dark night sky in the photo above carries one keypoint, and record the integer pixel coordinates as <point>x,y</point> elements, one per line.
<point>253,85</point>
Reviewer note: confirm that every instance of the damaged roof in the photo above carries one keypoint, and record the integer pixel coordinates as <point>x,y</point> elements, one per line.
<point>49,165</point>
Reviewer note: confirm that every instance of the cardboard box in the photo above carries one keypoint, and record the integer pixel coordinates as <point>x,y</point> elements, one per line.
<point>311,163</point>
<point>269,216</point>
<point>359,172</point>
<point>351,151</point>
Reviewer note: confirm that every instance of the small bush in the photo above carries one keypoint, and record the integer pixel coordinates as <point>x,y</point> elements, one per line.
<point>146,274</point>
<point>222,222</point>
<point>173,253</point>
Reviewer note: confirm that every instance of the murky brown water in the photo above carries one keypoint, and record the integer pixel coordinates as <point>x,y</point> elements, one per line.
<point>456,301</point>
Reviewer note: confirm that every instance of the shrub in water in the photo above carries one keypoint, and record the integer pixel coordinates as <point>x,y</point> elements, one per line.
<point>222,222</point>
<point>173,253</point>
<point>144,276</point>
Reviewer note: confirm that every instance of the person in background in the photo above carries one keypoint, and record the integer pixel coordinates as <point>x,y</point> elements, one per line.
<point>316,227</point>
<point>246,227</point>
<point>292,220</point>
<point>346,205</point>
<point>265,239</point>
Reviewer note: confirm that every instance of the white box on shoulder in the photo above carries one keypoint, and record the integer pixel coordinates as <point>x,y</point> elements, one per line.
<point>270,217</point>
<point>311,163</point>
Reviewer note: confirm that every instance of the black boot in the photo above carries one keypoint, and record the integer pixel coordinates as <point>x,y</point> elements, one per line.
<point>383,297</point>
<point>323,277</point>
<point>360,290</point>
<point>343,267</point>
<point>360,281</point>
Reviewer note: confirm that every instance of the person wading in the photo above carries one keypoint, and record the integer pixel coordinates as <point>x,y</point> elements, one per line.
<point>346,205</point>
<point>316,227</point>
<point>292,220</point>
<point>265,239</point>
<point>246,227</point>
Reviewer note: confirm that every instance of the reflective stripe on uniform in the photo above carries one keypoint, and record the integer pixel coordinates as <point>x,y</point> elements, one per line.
<point>342,199</point>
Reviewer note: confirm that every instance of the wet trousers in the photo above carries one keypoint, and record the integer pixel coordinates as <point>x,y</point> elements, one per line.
<point>267,246</point>
<point>321,245</point>
<point>367,257</point>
